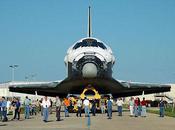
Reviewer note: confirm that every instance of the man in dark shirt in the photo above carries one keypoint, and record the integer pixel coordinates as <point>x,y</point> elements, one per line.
<point>93,108</point>
<point>17,109</point>
<point>13,106</point>
<point>161,107</point>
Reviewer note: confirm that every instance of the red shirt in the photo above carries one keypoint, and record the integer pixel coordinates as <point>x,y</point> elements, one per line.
<point>143,103</point>
<point>136,102</point>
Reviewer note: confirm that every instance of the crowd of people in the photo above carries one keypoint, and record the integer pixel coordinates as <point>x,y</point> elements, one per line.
<point>12,106</point>
<point>137,107</point>
<point>45,105</point>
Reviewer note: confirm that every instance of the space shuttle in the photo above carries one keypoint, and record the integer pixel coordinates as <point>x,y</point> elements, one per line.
<point>89,58</point>
<point>89,63</point>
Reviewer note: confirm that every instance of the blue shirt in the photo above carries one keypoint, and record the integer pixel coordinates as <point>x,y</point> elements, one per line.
<point>109,104</point>
<point>4,104</point>
<point>18,104</point>
<point>0,104</point>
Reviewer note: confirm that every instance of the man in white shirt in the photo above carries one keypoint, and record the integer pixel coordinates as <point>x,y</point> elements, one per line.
<point>45,104</point>
<point>8,105</point>
<point>119,104</point>
<point>86,106</point>
<point>131,106</point>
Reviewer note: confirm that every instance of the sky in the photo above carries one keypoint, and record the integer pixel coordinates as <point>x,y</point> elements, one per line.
<point>35,34</point>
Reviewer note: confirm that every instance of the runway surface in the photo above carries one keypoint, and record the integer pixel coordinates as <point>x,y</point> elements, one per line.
<point>99,122</point>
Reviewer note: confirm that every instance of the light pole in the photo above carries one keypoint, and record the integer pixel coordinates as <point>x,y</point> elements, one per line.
<point>13,70</point>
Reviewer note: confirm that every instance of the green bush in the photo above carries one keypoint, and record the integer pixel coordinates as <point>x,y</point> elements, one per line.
<point>168,111</point>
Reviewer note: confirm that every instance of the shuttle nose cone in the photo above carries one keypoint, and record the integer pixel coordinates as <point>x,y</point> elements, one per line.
<point>89,70</point>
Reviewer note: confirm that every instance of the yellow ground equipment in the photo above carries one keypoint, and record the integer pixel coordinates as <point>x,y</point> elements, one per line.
<point>90,96</point>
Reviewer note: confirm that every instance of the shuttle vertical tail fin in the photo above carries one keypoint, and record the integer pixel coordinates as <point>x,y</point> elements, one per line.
<point>89,22</point>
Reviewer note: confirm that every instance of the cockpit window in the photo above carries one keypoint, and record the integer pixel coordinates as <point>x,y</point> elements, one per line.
<point>90,43</point>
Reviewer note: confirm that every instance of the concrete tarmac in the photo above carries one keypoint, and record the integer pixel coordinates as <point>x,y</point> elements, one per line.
<point>99,122</point>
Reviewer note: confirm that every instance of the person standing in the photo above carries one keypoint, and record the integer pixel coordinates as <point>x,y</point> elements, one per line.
<point>58,108</point>
<point>102,104</point>
<point>139,107</point>
<point>119,104</point>
<point>161,107</point>
<point>46,104</point>
<point>17,109</point>
<point>37,106</point>
<point>111,99</point>
<point>93,108</point>
<point>41,107</point>
<point>79,105</point>
<point>8,105</point>
<point>131,106</point>
<point>66,103</point>
<point>0,108</point>
<point>136,107</point>
<point>143,104</point>
<point>71,107</point>
<point>13,106</point>
<point>4,109</point>
<point>51,105</point>
<point>86,106</point>
<point>27,107</point>
<point>33,107</point>
<point>109,108</point>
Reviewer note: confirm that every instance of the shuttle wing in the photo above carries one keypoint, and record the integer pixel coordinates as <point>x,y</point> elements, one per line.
<point>111,86</point>
<point>76,86</point>
<point>41,88</point>
<point>136,88</point>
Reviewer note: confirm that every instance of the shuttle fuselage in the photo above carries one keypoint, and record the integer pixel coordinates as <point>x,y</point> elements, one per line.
<point>89,58</point>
